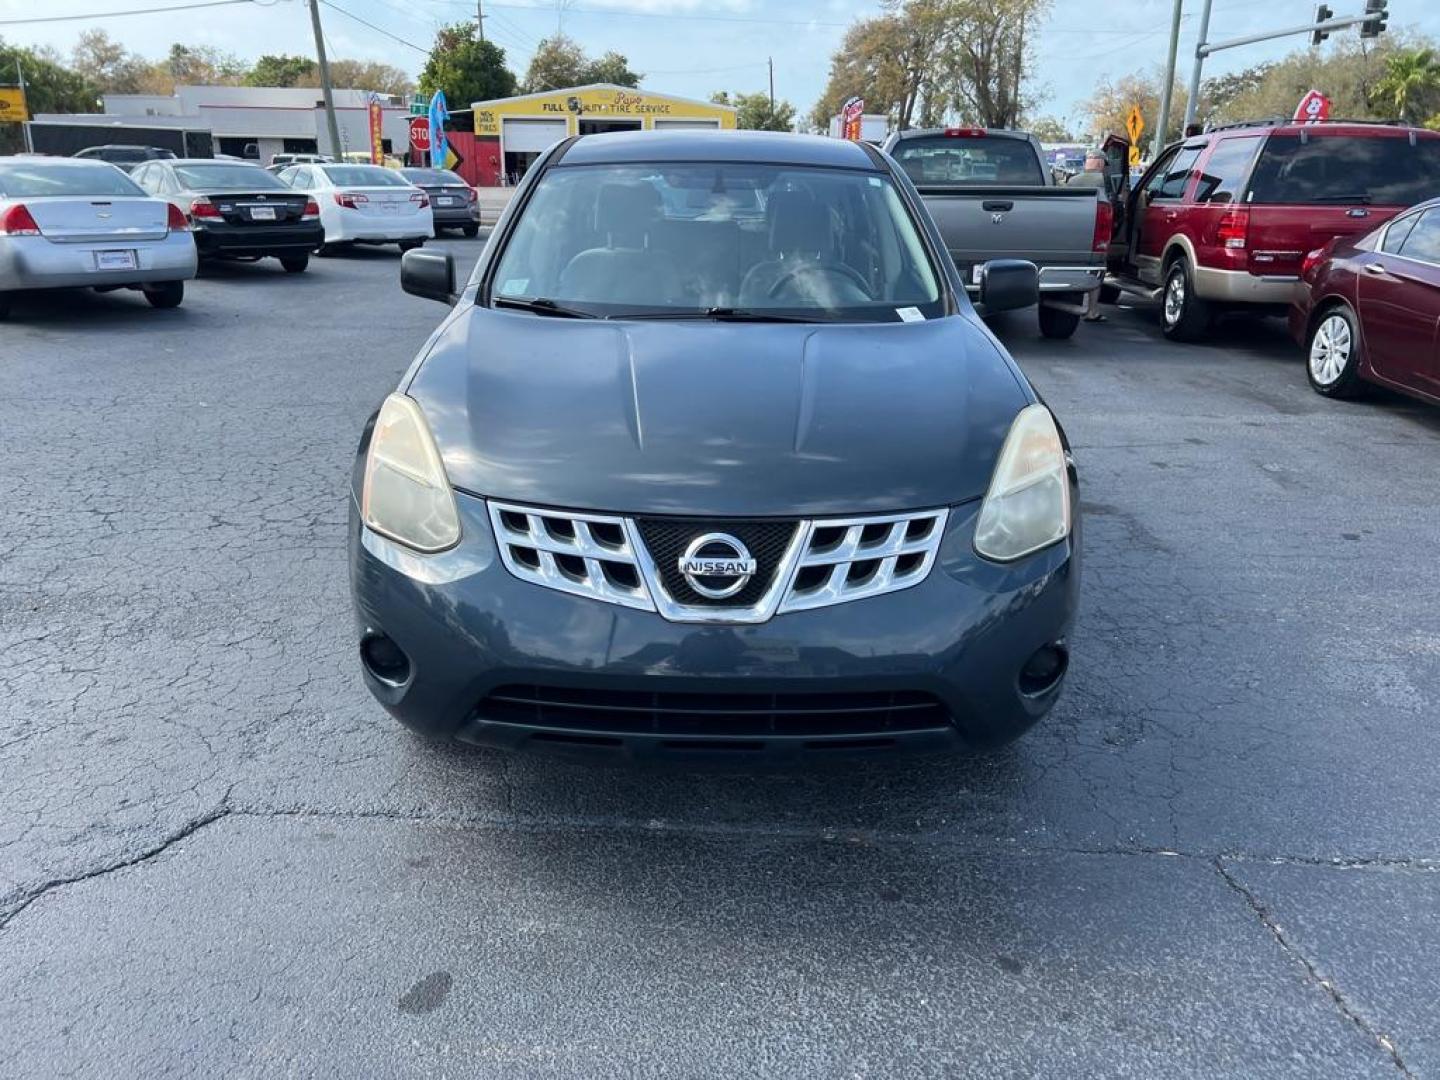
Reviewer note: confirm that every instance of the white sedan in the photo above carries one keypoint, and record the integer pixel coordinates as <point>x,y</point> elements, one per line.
<point>364,204</point>
<point>69,222</point>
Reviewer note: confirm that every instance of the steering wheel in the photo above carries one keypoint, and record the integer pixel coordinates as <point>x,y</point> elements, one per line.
<point>839,270</point>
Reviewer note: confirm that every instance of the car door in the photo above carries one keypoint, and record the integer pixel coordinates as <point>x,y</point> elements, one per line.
<point>1399,297</point>
<point>1158,209</point>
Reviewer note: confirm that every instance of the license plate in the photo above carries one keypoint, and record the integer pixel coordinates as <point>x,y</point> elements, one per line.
<point>262,213</point>
<point>444,200</point>
<point>114,260</point>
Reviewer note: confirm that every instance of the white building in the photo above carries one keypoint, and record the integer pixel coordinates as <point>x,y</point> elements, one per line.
<point>258,121</point>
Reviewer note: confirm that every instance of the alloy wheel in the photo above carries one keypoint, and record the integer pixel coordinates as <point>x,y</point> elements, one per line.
<point>1174,297</point>
<point>1330,349</point>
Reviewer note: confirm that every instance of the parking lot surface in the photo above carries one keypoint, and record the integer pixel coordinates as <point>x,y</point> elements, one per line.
<point>1220,854</point>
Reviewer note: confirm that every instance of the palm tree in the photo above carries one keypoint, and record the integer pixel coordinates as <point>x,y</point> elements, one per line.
<point>1410,78</point>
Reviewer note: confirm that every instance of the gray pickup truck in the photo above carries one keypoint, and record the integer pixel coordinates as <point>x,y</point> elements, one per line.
<point>993,197</point>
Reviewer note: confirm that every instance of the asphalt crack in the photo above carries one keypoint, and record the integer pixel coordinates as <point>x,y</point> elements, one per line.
<point>1311,971</point>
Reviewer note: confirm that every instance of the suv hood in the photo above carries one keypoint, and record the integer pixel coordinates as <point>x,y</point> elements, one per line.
<point>706,418</point>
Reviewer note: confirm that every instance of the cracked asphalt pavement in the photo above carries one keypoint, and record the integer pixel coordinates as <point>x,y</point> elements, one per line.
<point>1220,855</point>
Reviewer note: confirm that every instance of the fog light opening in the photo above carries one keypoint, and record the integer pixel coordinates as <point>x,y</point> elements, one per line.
<point>1044,670</point>
<point>385,660</point>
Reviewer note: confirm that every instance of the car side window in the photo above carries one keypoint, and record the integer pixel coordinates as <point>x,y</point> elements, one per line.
<point>298,178</point>
<point>1226,169</point>
<point>141,176</point>
<point>1157,177</point>
<point>1177,174</point>
<point>1423,240</point>
<point>1396,232</point>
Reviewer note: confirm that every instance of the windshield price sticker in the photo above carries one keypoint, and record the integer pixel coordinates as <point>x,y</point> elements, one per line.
<point>910,314</point>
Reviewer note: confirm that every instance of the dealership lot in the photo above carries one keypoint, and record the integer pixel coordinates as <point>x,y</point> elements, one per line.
<point>1219,854</point>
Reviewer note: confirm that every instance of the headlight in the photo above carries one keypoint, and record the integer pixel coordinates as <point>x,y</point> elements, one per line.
<point>406,495</point>
<point>1028,504</point>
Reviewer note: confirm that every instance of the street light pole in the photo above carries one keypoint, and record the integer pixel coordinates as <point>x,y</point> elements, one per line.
<point>325,89</point>
<point>1192,102</point>
<point>1163,121</point>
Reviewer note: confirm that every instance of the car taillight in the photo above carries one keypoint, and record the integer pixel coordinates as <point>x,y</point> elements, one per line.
<point>420,199</point>
<point>1311,263</point>
<point>175,219</point>
<point>471,194</point>
<point>17,221</point>
<point>1104,225</point>
<point>1234,228</point>
<point>352,199</point>
<point>203,208</point>
<point>970,132</point>
<point>312,209</point>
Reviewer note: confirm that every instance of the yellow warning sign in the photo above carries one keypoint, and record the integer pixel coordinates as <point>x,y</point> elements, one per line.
<point>12,105</point>
<point>1134,124</point>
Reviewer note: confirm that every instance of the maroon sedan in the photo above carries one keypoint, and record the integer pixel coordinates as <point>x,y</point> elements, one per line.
<point>1368,309</point>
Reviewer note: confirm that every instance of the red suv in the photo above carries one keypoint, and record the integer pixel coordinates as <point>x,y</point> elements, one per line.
<point>1226,218</point>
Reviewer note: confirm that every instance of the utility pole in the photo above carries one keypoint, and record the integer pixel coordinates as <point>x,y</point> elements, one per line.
<point>1193,101</point>
<point>328,93</point>
<point>480,19</point>
<point>771,61</point>
<point>1163,121</point>
<point>24,97</point>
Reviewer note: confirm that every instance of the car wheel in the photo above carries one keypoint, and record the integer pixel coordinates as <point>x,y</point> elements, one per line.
<point>411,245</point>
<point>295,264</point>
<point>472,231</point>
<point>4,307</point>
<point>1333,358</point>
<point>326,251</point>
<point>167,294</point>
<point>1057,324</point>
<point>1183,315</point>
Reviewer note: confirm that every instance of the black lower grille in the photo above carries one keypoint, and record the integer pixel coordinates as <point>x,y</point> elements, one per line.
<point>639,712</point>
<point>667,538</point>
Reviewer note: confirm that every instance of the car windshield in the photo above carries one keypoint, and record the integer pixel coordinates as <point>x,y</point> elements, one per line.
<point>227,178</point>
<point>34,179</point>
<point>433,176</point>
<point>618,240</point>
<point>1382,169</point>
<point>969,159</point>
<point>364,176</point>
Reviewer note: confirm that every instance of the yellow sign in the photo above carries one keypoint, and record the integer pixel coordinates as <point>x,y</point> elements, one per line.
<point>596,103</point>
<point>12,105</point>
<point>1134,124</point>
<point>1134,155</point>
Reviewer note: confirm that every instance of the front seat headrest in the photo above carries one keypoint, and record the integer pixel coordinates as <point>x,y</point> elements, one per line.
<point>625,212</point>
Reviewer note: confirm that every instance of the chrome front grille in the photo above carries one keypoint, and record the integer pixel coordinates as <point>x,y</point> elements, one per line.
<point>804,564</point>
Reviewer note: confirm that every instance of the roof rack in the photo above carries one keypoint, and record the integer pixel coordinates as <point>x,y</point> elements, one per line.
<point>1282,121</point>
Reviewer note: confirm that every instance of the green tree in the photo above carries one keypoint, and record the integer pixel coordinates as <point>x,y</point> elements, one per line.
<point>281,70</point>
<point>1111,101</point>
<point>204,65</point>
<point>465,67</point>
<point>558,62</point>
<point>754,113</point>
<point>371,75</point>
<point>49,87</point>
<point>611,68</point>
<point>101,60</point>
<point>1410,84</point>
<point>1050,129</point>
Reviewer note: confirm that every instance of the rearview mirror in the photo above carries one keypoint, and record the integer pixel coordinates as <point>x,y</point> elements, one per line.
<point>430,274</point>
<point>1006,284</point>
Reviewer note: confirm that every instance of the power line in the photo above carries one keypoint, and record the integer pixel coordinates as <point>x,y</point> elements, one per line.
<point>118,14</point>
<point>569,10</point>
<point>372,26</point>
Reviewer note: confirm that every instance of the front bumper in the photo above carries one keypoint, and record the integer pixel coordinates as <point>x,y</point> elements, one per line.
<point>33,262</point>
<point>261,240</point>
<point>468,627</point>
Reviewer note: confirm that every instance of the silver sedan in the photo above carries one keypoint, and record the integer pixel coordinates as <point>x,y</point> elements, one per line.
<point>68,223</point>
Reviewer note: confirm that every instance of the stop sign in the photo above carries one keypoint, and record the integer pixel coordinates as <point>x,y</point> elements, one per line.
<point>420,133</point>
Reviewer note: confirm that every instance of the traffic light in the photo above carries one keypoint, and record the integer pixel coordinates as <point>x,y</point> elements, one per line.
<point>1380,10</point>
<point>1322,14</point>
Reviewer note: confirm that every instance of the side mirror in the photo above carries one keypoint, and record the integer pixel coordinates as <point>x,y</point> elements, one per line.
<point>1006,284</point>
<point>430,274</point>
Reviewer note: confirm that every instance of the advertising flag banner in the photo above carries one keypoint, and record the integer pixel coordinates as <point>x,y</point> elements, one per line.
<point>1313,106</point>
<point>439,145</point>
<point>377,131</point>
<point>850,116</point>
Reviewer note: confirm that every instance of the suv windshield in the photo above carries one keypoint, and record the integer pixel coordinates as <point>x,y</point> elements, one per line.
<point>1338,169</point>
<point>227,177</point>
<point>969,159</point>
<point>688,238</point>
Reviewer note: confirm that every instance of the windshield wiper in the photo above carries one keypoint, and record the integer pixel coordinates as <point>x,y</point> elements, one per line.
<point>541,305</point>
<point>725,314</point>
<point>1357,198</point>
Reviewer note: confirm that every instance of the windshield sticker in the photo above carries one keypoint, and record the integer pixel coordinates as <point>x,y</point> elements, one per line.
<point>910,314</point>
<point>515,286</point>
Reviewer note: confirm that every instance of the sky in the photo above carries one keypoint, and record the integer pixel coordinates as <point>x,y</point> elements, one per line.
<point>693,47</point>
